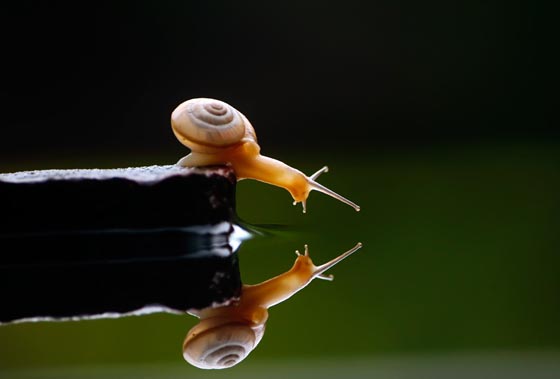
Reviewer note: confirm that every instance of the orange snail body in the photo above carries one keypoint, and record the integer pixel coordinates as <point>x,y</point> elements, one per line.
<point>226,335</point>
<point>217,133</point>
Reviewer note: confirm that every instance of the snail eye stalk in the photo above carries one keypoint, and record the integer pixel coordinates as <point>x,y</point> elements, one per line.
<point>218,134</point>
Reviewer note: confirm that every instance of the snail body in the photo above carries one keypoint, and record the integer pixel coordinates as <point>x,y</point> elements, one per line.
<point>226,335</point>
<point>217,134</point>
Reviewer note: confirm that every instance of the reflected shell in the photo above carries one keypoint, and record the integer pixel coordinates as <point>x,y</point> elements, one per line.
<point>220,347</point>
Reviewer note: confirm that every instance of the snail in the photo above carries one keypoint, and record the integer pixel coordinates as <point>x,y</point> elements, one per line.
<point>226,335</point>
<point>217,134</point>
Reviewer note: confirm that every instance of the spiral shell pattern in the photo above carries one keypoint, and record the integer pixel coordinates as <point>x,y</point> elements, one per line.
<point>220,347</point>
<point>208,122</point>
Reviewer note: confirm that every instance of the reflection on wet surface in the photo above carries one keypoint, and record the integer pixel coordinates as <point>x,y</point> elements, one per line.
<point>118,272</point>
<point>226,335</point>
<point>110,274</point>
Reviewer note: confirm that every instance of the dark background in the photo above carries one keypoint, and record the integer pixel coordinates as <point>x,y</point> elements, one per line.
<point>434,117</point>
<point>87,80</point>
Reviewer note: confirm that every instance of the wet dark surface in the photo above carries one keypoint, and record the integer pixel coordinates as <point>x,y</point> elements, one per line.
<point>113,273</point>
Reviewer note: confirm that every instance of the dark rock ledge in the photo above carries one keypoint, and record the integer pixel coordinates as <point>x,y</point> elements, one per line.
<point>129,198</point>
<point>78,244</point>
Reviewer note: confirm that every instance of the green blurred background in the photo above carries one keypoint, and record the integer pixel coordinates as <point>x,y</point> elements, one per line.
<point>459,271</point>
<point>429,116</point>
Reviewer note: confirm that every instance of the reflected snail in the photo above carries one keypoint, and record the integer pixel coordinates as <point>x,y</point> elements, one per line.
<point>226,335</point>
<point>217,134</point>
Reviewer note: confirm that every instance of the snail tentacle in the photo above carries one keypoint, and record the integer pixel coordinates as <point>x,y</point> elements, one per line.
<point>226,335</point>
<point>321,188</point>
<point>217,133</point>
<point>325,169</point>
<point>319,270</point>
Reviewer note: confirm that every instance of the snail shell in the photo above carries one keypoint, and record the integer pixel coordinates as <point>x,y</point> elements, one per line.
<point>225,335</point>
<point>217,134</point>
<point>205,125</point>
<point>222,346</point>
